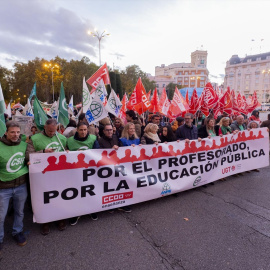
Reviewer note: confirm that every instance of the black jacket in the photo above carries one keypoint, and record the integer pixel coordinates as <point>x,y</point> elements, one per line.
<point>202,132</point>
<point>186,132</point>
<point>107,143</point>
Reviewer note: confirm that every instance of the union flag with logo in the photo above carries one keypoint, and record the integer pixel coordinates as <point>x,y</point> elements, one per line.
<point>101,73</point>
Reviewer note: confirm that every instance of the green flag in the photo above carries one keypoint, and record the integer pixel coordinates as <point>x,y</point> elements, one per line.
<point>2,116</point>
<point>39,115</point>
<point>33,92</point>
<point>62,109</point>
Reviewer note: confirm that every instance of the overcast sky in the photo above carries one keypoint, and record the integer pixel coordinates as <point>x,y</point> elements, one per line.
<point>146,33</point>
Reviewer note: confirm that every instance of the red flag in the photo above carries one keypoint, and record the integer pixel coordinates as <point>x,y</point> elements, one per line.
<point>234,101</point>
<point>178,104</point>
<point>210,94</point>
<point>164,103</point>
<point>101,73</point>
<point>155,103</point>
<point>148,95</point>
<point>254,103</point>
<point>194,102</point>
<point>187,100</point>
<point>243,106</point>
<point>138,100</point>
<point>225,102</point>
<point>122,113</point>
<point>208,99</point>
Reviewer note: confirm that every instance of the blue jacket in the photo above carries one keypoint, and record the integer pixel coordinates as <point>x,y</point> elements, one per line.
<point>127,142</point>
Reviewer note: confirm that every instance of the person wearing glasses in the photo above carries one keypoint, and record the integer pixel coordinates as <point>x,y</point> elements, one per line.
<point>108,140</point>
<point>188,131</point>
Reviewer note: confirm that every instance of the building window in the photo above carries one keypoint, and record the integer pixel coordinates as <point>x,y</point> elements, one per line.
<point>258,59</point>
<point>202,72</point>
<point>239,73</point>
<point>186,79</point>
<point>157,85</point>
<point>186,73</point>
<point>163,85</point>
<point>192,83</point>
<point>202,84</point>
<point>192,72</point>
<point>202,62</point>
<point>249,60</point>
<point>202,78</point>
<point>180,73</point>
<point>247,77</point>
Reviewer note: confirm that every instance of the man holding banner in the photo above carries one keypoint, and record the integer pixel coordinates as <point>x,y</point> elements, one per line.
<point>48,141</point>
<point>13,173</point>
<point>81,141</point>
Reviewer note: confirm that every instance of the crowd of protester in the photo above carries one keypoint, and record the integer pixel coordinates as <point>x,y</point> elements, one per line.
<point>111,133</point>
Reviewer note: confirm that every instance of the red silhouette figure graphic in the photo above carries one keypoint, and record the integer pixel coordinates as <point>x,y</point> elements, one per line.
<point>52,164</point>
<point>105,160</point>
<point>171,151</point>
<point>80,163</point>
<point>127,156</point>
<point>260,136</point>
<point>114,158</point>
<point>142,156</point>
<point>92,163</point>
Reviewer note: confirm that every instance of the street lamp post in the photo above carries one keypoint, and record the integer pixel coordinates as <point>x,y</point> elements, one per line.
<point>99,37</point>
<point>52,67</point>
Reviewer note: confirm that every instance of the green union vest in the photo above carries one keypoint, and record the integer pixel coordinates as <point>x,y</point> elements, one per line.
<point>74,145</point>
<point>12,163</point>
<point>41,142</point>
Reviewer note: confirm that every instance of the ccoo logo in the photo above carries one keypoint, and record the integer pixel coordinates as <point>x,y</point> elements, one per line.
<point>15,162</point>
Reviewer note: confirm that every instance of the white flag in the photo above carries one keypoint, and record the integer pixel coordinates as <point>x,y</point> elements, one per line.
<point>86,97</point>
<point>96,111</point>
<point>70,106</point>
<point>28,109</point>
<point>101,91</point>
<point>113,104</point>
<point>8,110</point>
<point>54,110</point>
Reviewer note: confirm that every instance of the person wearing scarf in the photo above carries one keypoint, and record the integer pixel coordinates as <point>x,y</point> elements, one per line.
<point>150,135</point>
<point>224,127</point>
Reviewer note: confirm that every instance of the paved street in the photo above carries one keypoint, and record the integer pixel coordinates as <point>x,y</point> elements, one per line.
<point>223,226</point>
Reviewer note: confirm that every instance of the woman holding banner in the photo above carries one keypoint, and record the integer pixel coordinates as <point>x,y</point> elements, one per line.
<point>224,126</point>
<point>209,130</point>
<point>129,136</point>
<point>150,135</point>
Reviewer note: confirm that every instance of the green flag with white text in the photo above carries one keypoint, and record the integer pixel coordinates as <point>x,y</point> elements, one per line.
<point>63,109</point>
<point>2,111</point>
<point>39,114</point>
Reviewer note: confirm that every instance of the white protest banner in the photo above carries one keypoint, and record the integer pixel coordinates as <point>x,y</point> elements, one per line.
<point>65,185</point>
